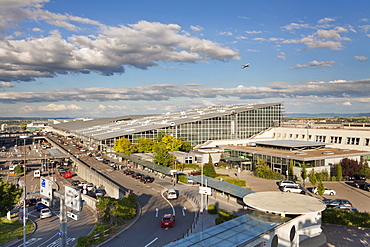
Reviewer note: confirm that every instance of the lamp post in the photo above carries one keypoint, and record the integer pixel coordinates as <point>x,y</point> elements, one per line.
<point>23,184</point>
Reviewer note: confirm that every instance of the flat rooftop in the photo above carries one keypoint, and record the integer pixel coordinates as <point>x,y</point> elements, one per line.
<point>283,203</point>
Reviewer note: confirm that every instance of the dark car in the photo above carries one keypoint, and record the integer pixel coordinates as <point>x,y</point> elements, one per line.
<point>40,206</point>
<point>338,202</point>
<point>359,177</point>
<point>137,175</point>
<point>367,187</point>
<point>128,172</point>
<point>147,179</point>
<point>31,201</point>
<point>75,182</point>
<point>359,184</point>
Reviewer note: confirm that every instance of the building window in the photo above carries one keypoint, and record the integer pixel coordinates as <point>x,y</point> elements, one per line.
<point>367,141</point>
<point>296,136</point>
<point>320,138</point>
<point>353,141</point>
<point>303,136</point>
<point>336,139</point>
<point>275,241</point>
<point>292,233</point>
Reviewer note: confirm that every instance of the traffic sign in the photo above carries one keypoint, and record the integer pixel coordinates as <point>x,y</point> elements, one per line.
<point>46,188</point>
<point>72,198</point>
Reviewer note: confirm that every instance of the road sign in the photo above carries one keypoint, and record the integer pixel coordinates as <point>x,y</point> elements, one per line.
<point>72,215</point>
<point>72,198</point>
<point>60,235</point>
<point>205,191</point>
<point>46,188</point>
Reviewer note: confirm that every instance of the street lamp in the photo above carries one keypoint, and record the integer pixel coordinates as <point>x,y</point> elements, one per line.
<point>22,183</point>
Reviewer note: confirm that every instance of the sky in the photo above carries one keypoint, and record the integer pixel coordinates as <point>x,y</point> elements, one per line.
<point>97,59</point>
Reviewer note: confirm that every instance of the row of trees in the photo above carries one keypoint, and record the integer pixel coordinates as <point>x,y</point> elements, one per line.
<point>161,146</point>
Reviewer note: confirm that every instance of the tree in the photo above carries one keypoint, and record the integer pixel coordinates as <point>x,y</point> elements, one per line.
<point>350,167</point>
<point>338,172</point>
<point>125,146</point>
<point>312,177</point>
<point>162,156</point>
<point>144,145</point>
<point>9,195</point>
<point>209,169</point>
<point>320,188</point>
<point>291,169</point>
<point>186,145</point>
<point>18,170</point>
<point>304,173</point>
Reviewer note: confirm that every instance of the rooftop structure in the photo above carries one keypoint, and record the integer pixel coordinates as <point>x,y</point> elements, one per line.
<point>195,125</point>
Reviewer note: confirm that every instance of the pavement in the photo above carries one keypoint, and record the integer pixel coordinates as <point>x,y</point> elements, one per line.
<point>333,235</point>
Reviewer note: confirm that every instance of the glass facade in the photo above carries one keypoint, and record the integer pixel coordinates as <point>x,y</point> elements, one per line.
<point>236,125</point>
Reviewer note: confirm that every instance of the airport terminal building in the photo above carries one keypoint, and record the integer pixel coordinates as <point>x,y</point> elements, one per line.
<point>195,125</point>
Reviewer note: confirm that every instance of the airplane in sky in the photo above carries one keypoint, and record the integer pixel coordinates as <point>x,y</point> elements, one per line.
<point>245,66</point>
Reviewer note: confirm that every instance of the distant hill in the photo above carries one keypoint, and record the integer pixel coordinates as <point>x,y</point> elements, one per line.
<point>306,115</point>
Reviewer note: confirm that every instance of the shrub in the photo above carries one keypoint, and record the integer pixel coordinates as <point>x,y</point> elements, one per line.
<point>226,215</point>
<point>212,209</point>
<point>344,217</point>
<point>219,220</point>
<point>235,181</point>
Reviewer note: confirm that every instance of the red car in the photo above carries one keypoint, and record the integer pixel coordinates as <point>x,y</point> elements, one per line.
<point>67,174</point>
<point>168,220</point>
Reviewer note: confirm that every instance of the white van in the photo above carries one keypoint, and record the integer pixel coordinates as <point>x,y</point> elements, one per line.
<point>171,194</point>
<point>36,173</point>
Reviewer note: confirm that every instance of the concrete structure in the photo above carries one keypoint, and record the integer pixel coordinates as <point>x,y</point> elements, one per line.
<point>279,153</point>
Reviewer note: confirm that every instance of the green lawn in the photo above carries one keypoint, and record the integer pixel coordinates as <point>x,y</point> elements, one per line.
<point>13,229</point>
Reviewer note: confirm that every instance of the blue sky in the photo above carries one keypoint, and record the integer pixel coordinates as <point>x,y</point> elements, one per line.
<point>113,58</point>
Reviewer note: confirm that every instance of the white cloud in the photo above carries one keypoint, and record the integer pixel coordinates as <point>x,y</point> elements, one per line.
<point>139,45</point>
<point>337,81</point>
<point>347,103</point>
<point>196,28</point>
<point>252,32</point>
<point>316,63</point>
<point>6,84</point>
<point>226,33</point>
<point>325,20</point>
<point>360,58</point>
<point>293,26</point>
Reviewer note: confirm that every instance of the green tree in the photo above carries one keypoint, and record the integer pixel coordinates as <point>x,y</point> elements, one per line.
<point>186,145</point>
<point>304,174</point>
<point>9,195</point>
<point>338,172</point>
<point>208,168</point>
<point>291,169</point>
<point>162,156</point>
<point>320,188</point>
<point>125,146</point>
<point>144,145</point>
<point>264,171</point>
<point>312,177</point>
<point>19,170</point>
<point>172,144</point>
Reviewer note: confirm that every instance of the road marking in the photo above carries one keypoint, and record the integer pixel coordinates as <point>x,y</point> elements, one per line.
<point>173,209</point>
<point>156,212</point>
<point>183,211</point>
<point>49,239</point>
<point>31,241</point>
<point>151,242</point>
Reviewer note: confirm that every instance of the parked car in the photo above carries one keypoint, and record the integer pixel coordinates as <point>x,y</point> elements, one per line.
<point>100,192</point>
<point>67,174</point>
<point>75,182</point>
<point>90,187</point>
<point>168,220</point>
<point>171,194</point>
<point>283,183</point>
<point>367,187</point>
<point>98,158</point>
<point>40,206</point>
<point>359,184</point>
<point>326,191</point>
<point>45,213</point>
<point>338,202</point>
<point>348,208</point>
<point>147,179</point>
<point>360,177</point>
<point>128,172</point>
<point>293,189</point>
<point>137,175</point>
